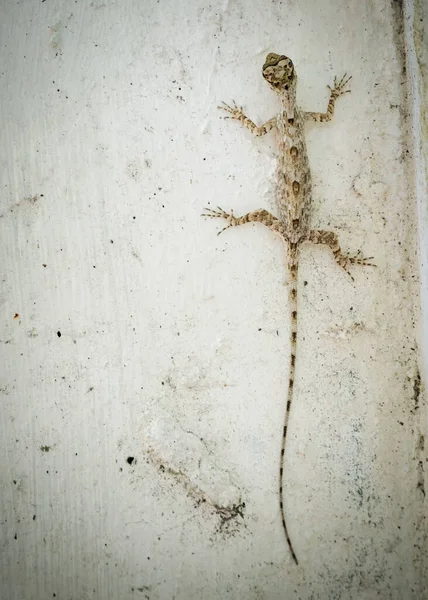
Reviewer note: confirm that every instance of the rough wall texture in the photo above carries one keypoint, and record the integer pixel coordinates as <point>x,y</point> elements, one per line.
<point>145,360</point>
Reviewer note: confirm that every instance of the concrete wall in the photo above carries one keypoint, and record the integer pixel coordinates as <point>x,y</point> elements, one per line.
<point>145,360</point>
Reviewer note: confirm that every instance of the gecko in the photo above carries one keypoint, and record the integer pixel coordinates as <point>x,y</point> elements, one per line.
<point>293,196</point>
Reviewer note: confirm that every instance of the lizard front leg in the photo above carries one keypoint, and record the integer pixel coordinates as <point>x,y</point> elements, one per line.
<point>237,113</point>
<point>260,216</point>
<point>331,239</point>
<point>338,90</point>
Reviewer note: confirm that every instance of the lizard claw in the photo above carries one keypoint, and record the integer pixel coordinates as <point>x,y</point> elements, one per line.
<point>216,213</point>
<point>221,214</point>
<point>361,260</point>
<point>356,260</point>
<point>339,86</point>
<point>234,111</point>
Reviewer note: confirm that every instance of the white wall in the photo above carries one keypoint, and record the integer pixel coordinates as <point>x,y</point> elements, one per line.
<point>174,343</point>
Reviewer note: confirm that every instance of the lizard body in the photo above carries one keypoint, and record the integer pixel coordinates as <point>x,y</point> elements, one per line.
<point>293,198</point>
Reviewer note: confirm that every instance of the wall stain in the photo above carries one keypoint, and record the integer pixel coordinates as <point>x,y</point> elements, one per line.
<point>421,477</point>
<point>416,390</point>
<point>230,516</point>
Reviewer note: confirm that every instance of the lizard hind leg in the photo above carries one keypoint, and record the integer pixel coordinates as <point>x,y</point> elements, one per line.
<point>257,216</point>
<point>329,238</point>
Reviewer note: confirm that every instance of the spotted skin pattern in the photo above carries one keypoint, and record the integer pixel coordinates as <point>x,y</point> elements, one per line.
<point>293,199</point>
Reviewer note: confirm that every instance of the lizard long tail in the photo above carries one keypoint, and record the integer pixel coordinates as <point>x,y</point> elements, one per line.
<point>293,339</point>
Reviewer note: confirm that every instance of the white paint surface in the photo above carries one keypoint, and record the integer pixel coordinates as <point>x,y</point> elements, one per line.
<point>174,343</point>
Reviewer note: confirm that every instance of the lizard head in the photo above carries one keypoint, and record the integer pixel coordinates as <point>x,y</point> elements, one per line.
<point>279,72</point>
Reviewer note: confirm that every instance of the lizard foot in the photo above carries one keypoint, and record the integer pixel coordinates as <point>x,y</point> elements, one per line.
<point>235,112</point>
<point>346,261</point>
<point>339,86</point>
<point>221,214</point>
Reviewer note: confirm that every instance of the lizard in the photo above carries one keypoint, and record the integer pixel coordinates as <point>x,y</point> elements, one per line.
<point>293,200</point>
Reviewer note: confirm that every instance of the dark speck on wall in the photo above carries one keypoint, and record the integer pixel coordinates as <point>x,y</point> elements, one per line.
<point>130,460</point>
<point>58,333</point>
